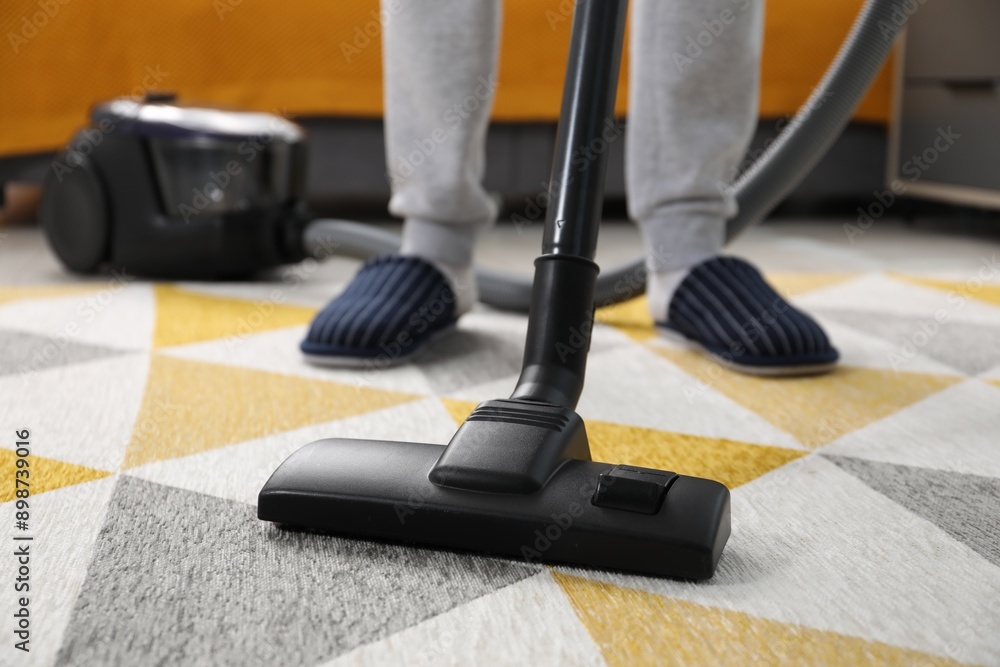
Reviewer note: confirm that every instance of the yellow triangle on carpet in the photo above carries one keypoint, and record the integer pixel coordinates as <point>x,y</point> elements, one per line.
<point>458,410</point>
<point>630,317</point>
<point>22,292</point>
<point>728,461</point>
<point>816,409</point>
<point>633,627</point>
<point>43,474</point>
<point>973,288</point>
<point>192,406</point>
<point>185,317</point>
<point>791,285</point>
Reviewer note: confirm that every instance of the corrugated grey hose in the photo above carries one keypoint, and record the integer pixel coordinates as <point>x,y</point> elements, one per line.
<point>758,190</point>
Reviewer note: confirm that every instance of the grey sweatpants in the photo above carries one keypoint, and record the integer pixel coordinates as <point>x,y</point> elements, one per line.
<point>694,70</point>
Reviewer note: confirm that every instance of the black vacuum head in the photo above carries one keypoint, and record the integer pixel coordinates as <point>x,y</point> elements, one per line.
<point>588,514</point>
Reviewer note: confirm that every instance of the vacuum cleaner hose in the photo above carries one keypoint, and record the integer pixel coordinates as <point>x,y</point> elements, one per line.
<point>761,187</point>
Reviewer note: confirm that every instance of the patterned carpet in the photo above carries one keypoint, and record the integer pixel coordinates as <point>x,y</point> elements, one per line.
<point>865,503</point>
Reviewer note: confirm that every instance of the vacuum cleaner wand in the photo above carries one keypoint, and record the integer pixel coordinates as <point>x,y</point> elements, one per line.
<point>517,478</point>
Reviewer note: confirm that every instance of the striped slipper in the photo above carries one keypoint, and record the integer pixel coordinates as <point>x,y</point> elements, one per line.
<point>392,309</point>
<point>725,308</point>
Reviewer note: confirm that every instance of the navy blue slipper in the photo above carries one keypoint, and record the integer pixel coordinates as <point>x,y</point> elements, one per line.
<point>725,308</point>
<point>393,308</point>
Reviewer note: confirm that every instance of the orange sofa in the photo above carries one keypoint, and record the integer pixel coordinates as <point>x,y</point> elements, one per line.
<point>322,59</point>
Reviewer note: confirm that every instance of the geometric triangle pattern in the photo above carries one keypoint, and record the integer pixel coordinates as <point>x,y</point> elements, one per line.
<point>817,410</point>
<point>534,610</point>
<point>969,347</point>
<point>191,406</point>
<point>21,351</point>
<point>242,592</point>
<point>630,317</point>
<point>458,410</point>
<point>792,285</point>
<point>973,288</point>
<point>954,430</point>
<point>184,317</point>
<point>863,502</point>
<point>19,292</point>
<point>471,357</point>
<point>728,461</point>
<point>633,627</point>
<point>967,507</point>
<point>42,475</point>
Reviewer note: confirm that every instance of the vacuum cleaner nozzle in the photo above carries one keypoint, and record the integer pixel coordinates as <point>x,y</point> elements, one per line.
<point>514,481</point>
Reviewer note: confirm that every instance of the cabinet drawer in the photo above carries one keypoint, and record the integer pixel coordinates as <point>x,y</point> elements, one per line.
<point>927,113</point>
<point>953,40</point>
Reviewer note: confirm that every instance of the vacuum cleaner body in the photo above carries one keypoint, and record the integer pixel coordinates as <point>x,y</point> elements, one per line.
<point>163,190</point>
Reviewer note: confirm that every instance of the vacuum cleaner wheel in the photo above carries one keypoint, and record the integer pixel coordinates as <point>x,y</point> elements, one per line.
<point>75,217</point>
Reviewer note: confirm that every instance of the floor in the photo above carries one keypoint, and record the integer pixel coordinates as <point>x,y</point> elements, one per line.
<point>865,502</point>
<point>939,245</point>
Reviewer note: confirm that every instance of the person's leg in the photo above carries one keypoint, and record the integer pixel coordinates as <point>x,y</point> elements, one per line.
<point>439,60</point>
<point>692,110</point>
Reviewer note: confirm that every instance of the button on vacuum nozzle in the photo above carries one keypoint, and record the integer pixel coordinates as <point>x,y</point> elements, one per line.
<point>632,489</point>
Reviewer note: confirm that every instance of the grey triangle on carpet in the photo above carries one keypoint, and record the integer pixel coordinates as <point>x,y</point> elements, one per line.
<point>964,506</point>
<point>467,358</point>
<point>965,346</point>
<point>243,592</point>
<point>24,352</point>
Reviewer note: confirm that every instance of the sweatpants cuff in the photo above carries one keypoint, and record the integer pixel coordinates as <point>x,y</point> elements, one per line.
<point>441,242</point>
<point>681,239</point>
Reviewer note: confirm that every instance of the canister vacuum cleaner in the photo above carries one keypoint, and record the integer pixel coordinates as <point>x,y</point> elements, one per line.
<point>192,192</point>
<point>177,192</point>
